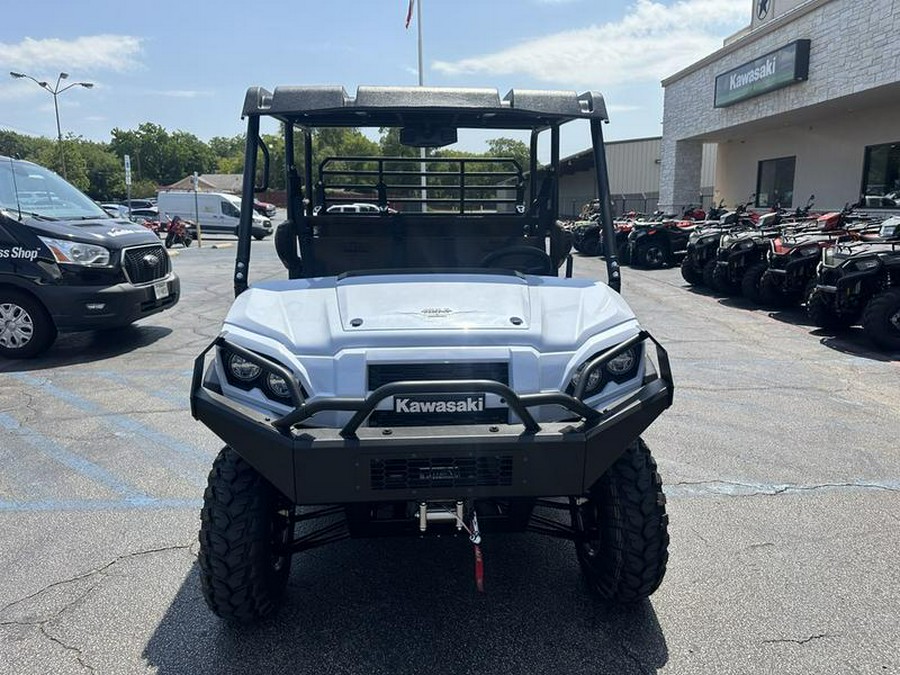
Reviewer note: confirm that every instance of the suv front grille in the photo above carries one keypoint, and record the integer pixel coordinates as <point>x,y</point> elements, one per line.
<point>145,264</point>
<point>385,373</point>
<point>441,472</point>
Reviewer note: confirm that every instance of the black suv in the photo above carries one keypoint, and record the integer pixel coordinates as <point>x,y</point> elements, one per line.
<point>66,265</point>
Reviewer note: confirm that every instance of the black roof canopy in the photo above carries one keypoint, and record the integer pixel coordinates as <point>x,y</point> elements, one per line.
<point>331,106</point>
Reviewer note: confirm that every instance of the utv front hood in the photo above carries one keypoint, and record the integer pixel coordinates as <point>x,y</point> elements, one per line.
<point>415,302</point>
<point>324,316</point>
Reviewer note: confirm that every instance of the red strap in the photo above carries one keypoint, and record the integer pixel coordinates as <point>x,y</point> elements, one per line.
<point>479,569</point>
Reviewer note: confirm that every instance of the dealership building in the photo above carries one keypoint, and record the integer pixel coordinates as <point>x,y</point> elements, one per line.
<point>805,100</point>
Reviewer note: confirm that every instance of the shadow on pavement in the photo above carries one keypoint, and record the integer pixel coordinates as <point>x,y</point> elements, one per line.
<point>409,606</point>
<point>851,340</point>
<point>90,346</point>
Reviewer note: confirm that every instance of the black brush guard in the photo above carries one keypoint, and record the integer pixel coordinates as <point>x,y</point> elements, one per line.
<point>356,463</point>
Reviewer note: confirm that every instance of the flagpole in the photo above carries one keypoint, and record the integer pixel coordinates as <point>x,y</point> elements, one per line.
<point>422,166</point>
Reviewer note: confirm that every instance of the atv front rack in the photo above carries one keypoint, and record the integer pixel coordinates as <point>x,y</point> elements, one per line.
<point>318,465</point>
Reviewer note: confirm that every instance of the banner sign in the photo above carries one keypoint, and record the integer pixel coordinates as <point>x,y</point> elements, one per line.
<point>775,70</point>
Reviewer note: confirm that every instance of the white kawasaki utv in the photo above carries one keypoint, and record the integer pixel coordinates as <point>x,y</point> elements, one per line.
<point>425,369</point>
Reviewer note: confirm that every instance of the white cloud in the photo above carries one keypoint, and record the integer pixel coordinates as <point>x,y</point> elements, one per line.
<point>88,53</point>
<point>650,42</point>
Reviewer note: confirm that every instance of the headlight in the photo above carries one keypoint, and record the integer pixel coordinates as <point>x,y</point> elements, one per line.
<point>619,369</point>
<point>247,375</point>
<point>828,257</point>
<point>863,265</point>
<point>242,369</point>
<point>76,253</point>
<point>278,386</point>
<point>748,244</point>
<point>726,241</point>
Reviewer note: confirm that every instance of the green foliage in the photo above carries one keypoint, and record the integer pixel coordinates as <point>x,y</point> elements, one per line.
<point>160,157</point>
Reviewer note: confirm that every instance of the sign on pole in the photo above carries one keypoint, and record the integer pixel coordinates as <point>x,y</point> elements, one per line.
<point>195,181</point>
<point>128,181</point>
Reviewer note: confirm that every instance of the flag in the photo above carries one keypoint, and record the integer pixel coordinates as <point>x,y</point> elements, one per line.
<point>409,13</point>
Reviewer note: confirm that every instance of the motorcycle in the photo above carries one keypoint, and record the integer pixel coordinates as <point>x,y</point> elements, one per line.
<point>178,233</point>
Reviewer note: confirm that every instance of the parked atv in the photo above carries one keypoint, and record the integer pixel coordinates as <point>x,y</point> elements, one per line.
<point>861,280</point>
<point>791,263</point>
<point>703,242</point>
<point>655,245</point>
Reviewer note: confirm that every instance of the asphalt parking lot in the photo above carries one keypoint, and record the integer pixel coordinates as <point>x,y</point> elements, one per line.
<point>781,458</point>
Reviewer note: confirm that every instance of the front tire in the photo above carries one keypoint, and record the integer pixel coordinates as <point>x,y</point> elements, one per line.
<point>752,281</point>
<point>821,312</point>
<point>651,256</point>
<point>624,527</point>
<point>244,523</point>
<point>690,273</point>
<point>26,328</point>
<point>709,273</point>
<point>881,319</point>
<point>721,282</point>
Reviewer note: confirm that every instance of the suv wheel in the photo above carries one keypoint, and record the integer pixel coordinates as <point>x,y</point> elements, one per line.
<point>881,320</point>
<point>245,527</point>
<point>26,328</point>
<point>623,525</point>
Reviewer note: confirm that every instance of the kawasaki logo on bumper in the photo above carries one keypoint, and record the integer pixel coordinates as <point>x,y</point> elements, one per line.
<point>439,403</point>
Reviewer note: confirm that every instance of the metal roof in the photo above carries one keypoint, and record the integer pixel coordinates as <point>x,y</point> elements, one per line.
<point>393,106</point>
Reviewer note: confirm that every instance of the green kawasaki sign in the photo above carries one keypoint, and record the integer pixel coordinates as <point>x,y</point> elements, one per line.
<point>774,70</point>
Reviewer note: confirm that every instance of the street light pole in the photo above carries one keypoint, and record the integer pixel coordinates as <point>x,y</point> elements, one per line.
<point>55,92</point>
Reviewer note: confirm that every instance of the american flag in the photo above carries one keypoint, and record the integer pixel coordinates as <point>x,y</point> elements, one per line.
<point>409,12</point>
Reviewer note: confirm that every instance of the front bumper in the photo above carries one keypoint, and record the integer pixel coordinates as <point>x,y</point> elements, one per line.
<point>313,465</point>
<point>76,308</point>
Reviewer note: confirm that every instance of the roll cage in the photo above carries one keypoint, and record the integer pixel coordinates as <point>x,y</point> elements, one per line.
<point>452,228</point>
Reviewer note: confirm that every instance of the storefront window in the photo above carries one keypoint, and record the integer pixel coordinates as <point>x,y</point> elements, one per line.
<point>775,182</point>
<point>881,176</point>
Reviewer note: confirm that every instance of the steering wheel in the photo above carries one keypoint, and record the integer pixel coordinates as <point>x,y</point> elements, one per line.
<point>542,263</point>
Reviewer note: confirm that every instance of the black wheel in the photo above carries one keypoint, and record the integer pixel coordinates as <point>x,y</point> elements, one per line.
<point>690,273</point>
<point>525,259</point>
<point>709,270</point>
<point>881,319</point>
<point>651,256</point>
<point>259,237</point>
<point>590,244</point>
<point>624,253</point>
<point>820,310</point>
<point>186,241</point>
<point>752,281</point>
<point>26,328</point>
<point>169,239</point>
<point>245,524</point>
<point>625,540</point>
<point>722,281</point>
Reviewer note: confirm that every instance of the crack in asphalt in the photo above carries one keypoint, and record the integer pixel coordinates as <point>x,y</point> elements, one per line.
<point>85,575</point>
<point>101,572</point>
<point>800,641</point>
<point>737,489</point>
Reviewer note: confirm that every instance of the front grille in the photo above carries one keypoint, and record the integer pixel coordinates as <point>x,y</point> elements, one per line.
<point>441,472</point>
<point>145,264</point>
<point>385,373</point>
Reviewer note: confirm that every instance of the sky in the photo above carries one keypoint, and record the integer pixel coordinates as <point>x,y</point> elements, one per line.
<point>186,65</point>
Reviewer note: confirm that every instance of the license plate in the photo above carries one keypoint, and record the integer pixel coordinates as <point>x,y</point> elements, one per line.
<point>161,290</point>
<point>439,403</point>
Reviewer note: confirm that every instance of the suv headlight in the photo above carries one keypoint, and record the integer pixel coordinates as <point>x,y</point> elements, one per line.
<point>76,253</point>
<point>618,369</point>
<point>244,374</point>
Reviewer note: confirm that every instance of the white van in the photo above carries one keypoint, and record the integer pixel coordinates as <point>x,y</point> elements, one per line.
<point>219,213</point>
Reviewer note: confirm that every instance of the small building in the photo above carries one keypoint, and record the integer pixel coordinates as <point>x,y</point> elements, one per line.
<point>804,100</point>
<point>634,170</point>
<point>211,182</point>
